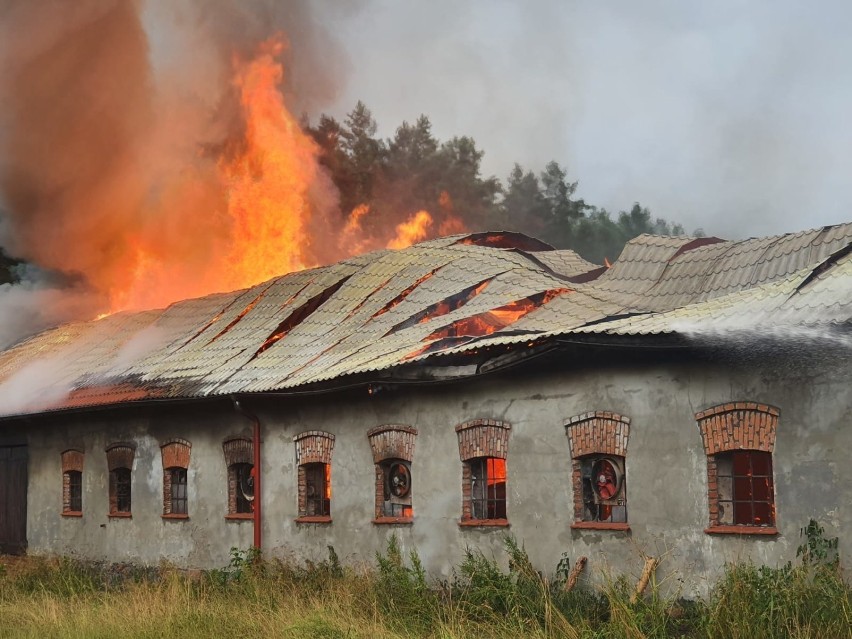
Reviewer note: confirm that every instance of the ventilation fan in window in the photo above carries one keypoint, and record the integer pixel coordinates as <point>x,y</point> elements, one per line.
<point>398,481</point>
<point>607,478</point>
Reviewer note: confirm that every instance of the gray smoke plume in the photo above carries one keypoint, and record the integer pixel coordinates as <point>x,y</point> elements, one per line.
<point>114,112</point>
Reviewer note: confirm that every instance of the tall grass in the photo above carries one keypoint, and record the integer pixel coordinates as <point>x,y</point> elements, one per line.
<point>251,598</point>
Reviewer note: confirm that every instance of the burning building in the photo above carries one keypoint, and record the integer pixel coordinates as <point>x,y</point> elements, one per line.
<point>693,398</point>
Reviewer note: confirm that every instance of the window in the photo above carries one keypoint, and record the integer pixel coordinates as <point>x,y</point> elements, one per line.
<point>483,449</point>
<point>72,483</point>
<point>746,494</point>
<point>488,488</point>
<point>239,461</point>
<point>313,458</point>
<point>603,489</point>
<point>393,449</point>
<point>175,454</point>
<point>120,463</point>
<point>318,490</point>
<point>178,490</point>
<point>121,477</point>
<point>739,439</point>
<point>75,491</point>
<point>598,442</point>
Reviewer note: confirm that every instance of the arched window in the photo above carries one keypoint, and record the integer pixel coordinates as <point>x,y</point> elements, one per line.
<point>72,483</point>
<point>313,458</point>
<point>175,454</point>
<point>483,448</point>
<point>598,442</point>
<point>739,439</point>
<point>239,461</point>
<point>393,450</point>
<point>120,464</point>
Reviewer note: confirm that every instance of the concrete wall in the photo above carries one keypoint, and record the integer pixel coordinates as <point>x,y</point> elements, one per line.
<point>666,471</point>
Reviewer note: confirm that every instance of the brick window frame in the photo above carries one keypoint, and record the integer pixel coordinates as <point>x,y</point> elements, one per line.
<point>312,447</point>
<point>481,439</point>
<point>120,456</point>
<point>391,444</point>
<point>175,454</point>
<point>72,483</point>
<point>238,451</point>
<point>593,434</point>
<point>730,427</point>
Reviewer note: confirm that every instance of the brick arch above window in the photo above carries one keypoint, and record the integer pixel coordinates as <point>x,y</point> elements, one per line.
<point>314,446</point>
<point>120,455</point>
<point>392,441</point>
<point>738,426</point>
<point>483,438</point>
<point>598,432</point>
<point>176,453</point>
<point>72,460</point>
<point>238,450</point>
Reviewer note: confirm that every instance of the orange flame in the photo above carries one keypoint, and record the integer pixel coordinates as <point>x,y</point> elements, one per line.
<point>415,229</point>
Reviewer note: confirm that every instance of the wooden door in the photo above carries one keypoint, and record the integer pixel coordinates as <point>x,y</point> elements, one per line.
<point>13,499</point>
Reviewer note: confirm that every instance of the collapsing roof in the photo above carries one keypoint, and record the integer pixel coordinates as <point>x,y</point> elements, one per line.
<point>395,309</point>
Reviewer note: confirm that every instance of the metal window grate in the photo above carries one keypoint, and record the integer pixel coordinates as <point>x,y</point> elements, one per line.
<point>244,487</point>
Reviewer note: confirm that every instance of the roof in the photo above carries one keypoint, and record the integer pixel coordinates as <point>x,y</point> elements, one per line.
<point>397,309</point>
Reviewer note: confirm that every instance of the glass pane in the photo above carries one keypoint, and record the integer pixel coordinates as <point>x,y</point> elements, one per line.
<point>762,488</point>
<point>742,513</point>
<point>725,486</point>
<point>742,488</point>
<point>763,514</point>
<point>741,463</point>
<point>761,463</point>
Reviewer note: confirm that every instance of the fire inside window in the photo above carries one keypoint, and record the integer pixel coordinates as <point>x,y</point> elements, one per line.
<point>604,492</point>
<point>746,493</point>
<point>121,477</point>
<point>397,489</point>
<point>318,489</point>
<point>244,487</point>
<point>488,488</point>
<point>179,505</point>
<point>75,491</point>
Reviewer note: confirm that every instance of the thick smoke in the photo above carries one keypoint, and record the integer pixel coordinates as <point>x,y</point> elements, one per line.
<point>115,114</point>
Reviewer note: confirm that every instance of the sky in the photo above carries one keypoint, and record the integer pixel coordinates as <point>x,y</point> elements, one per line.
<point>731,116</point>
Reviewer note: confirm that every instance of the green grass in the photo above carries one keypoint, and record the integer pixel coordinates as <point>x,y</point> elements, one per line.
<point>61,597</point>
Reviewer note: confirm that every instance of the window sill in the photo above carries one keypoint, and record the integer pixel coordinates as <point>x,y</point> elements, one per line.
<point>177,516</point>
<point>393,520</point>
<point>741,530</point>
<point>484,523</point>
<point>600,525</point>
<point>118,515</point>
<point>239,517</point>
<point>72,513</point>
<point>314,519</point>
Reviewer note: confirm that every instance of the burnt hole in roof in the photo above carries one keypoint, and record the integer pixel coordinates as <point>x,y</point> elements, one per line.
<point>497,318</point>
<point>404,294</point>
<point>240,316</point>
<point>823,266</point>
<point>299,315</point>
<point>506,240</point>
<point>439,345</point>
<point>445,306</point>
